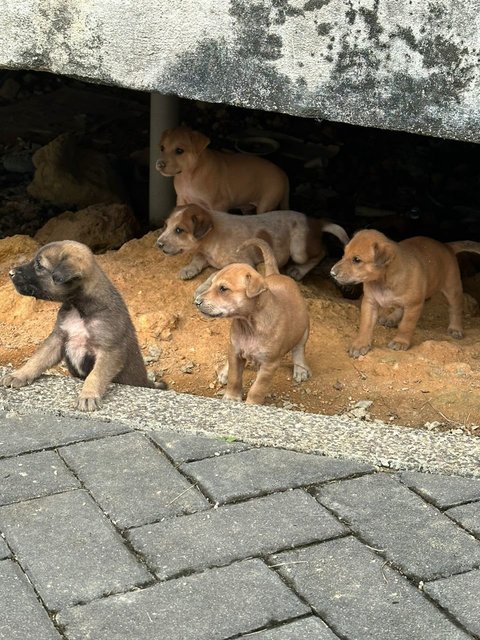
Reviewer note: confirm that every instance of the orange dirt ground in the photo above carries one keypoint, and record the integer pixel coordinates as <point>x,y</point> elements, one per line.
<point>435,384</point>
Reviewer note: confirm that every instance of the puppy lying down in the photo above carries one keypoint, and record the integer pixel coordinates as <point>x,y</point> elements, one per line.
<point>214,238</point>
<point>93,332</point>
<point>401,275</point>
<point>269,319</point>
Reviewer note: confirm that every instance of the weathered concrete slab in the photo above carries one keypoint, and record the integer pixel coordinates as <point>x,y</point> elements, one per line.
<point>213,605</point>
<point>468,515</point>
<point>442,491</point>
<point>337,436</point>
<point>410,66</point>
<point>459,596</point>
<point>34,475</point>
<point>352,589</point>
<point>257,471</point>
<point>183,448</point>
<point>4,550</point>
<point>412,534</point>
<point>70,551</point>
<point>217,537</point>
<point>22,615</point>
<point>305,629</point>
<point>132,480</point>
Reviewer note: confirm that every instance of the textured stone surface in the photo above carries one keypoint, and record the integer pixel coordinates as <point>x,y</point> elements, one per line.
<point>305,629</point>
<point>22,616</point>
<point>182,448</point>
<point>353,589</point>
<point>234,532</point>
<point>20,434</point>
<point>257,471</point>
<point>69,549</point>
<point>212,605</point>
<point>412,534</point>
<point>411,66</point>
<point>442,491</point>
<point>131,480</point>
<point>33,475</point>
<point>459,596</point>
<point>468,515</point>
<point>4,550</point>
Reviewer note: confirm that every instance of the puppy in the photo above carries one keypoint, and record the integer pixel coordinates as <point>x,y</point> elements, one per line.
<point>269,319</point>
<point>401,275</point>
<point>213,237</point>
<point>93,332</point>
<point>216,180</point>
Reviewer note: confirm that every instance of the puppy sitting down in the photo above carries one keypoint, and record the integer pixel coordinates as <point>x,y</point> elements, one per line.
<point>269,319</point>
<point>93,332</point>
<point>401,276</point>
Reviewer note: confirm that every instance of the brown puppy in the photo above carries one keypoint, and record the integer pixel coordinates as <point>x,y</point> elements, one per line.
<point>216,180</point>
<point>269,319</point>
<point>214,238</point>
<point>93,332</point>
<point>401,275</point>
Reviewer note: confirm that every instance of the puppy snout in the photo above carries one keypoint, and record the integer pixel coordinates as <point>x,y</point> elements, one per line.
<point>160,244</point>
<point>334,270</point>
<point>198,301</point>
<point>160,164</point>
<point>12,273</point>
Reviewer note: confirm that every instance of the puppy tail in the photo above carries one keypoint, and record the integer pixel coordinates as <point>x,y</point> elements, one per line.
<point>336,230</point>
<point>271,265</point>
<point>465,245</point>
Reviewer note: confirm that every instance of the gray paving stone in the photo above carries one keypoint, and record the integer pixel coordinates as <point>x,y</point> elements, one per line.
<point>4,550</point>
<point>468,515</point>
<point>69,549</point>
<point>21,614</point>
<point>187,448</point>
<point>304,629</point>
<point>256,471</point>
<point>22,434</point>
<point>459,595</point>
<point>34,475</point>
<point>132,480</point>
<point>359,596</point>
<point>443,491</point>
<point>411,533</point>
<point>213,605</point>
<point>234,532</point>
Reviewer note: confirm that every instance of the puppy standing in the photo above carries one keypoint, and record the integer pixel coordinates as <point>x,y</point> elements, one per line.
<point>216,180</point>
<point>214,237</point>
<point>401,275</point>
<point>93,332</point>
<point>269,319</point>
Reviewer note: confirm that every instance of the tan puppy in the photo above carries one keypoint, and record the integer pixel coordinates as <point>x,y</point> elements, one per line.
<point>216,180</point>
<point>401,275</point>
<point>214,237</point>
<point>93,332</point>
<point>269,319</point>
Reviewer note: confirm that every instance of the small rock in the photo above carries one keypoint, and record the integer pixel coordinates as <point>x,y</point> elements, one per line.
<point>188,367</point>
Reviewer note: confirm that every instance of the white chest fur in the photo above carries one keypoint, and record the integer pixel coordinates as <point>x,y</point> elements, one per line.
<point>77,338</point>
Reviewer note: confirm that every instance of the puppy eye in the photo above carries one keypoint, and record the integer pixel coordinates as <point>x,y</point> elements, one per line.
<point>179,151</point>
<point>39,267</point>
<point>356,260</point>
<point>178,230</point>
<point>222,288</point>
<point>162,148</point>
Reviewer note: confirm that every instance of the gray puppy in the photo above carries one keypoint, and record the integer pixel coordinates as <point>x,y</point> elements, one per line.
<point>93,332</point>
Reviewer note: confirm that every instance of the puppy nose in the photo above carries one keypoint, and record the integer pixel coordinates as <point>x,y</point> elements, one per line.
<point>333,271</point>
<point>11,273</point>
<point>198,300</point>
<point>160,164</point>
<point>160,244</point>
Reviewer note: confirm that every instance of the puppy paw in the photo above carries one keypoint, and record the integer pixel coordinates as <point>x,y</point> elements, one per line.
<point>294,272</point>
<point>187,273</point>
<point>398,345</point>
<point>301,373</point>
<point>455,333</point>
<point>388,322</point>
<point>14,380</point>
<point>235,397</point>
<point>222,374</point>
<point>91,403</point>
<point>356,352</point>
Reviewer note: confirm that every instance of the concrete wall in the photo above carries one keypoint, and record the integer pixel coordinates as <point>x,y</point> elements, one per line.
<point>399,64</point>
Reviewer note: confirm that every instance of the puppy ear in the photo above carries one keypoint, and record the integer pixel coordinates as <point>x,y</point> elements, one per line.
<point>201,221</point>
<point>383,253</point>
<point>199,141</point>
<point>64,273</point>
<point>254,285</point>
